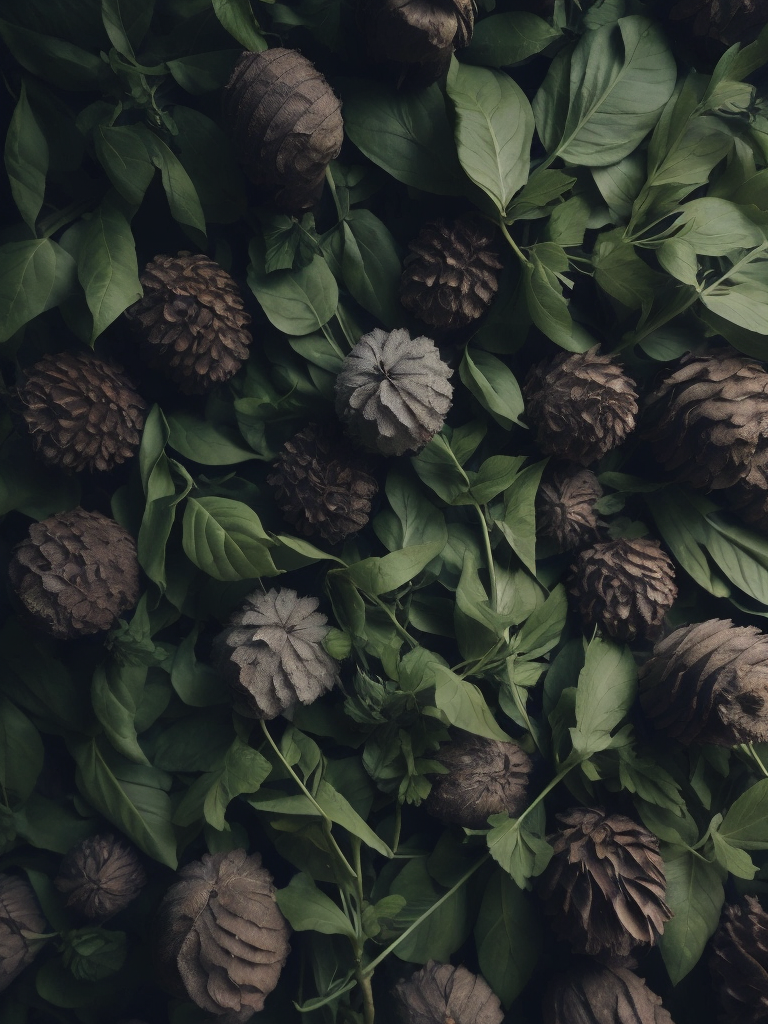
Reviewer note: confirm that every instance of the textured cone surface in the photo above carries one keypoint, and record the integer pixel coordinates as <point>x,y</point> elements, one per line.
<point>81,413</point>
<point>393,392</point>
<point>581,405</point>
<point>441,994</point>
<point>451,277</point>
<point>100,877</point>
<point>272,655</point>
<point>19,912</point>
<point>724,21</point>
<point>565,512</point>
<point>321,485</point>
<point>708,683</point>
<point>750,501</point>
<point>484,777</point>
<point>417,32</point>
<point>75,573</point>
<point>625,586</point>
<point>597,994</point>
<point>191,321</point>
<point>605,885</point>
<point>709,421</point>
<point>285,121</point>
<point>739,961</point>
<point>222,934</point>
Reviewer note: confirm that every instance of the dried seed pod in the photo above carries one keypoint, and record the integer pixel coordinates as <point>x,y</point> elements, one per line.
<point>392,392</point>
<point>739,961</point>
<point>605,885</point>
<point>285,121</point>
<point>222,936</point>
<point>708,683</point>
<point>441,994</point>
<point>581,405</point>
<point>19,913</point>
<point>75,573</point>
<point>450,278</point>
<point>625,586</point>
<point>484,777</point>
<point>322,485</point>
<point>191,321</point>
<point>100,877</point>
<point>565,506</point>
<point>272,656</point>
<point>594,993</point>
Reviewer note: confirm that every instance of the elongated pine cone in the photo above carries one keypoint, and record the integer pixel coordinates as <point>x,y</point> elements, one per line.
<point>393,392</point>
<point>191,321</point>
<point>565,506</point>
<point>442,994</point>
<point>625,586</point>
<point>708,683</point>
<point>450,278</point>
<point>222,936</point>
<point>100,877</point>
<point>19,912</point>
<point>75,573</point>
<point>272,656</point>
<point>484,777</point>
<point>418,37</point>
<point>605,885</point>
<point>580,405</point>
<point>739,962</point>
<point>286,125</point>
<point>594,993</point>
<point>80,412</point>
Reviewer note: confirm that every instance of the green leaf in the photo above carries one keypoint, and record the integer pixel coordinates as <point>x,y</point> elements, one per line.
<point>541,631</point>
<point>92,954</point>
<point>495,475</point>
<point>107,266</point>
<point>695,896</point>
<point>519,516</point>
<point>414,519</point>
<point>207,156</point>
<point>34,276</point>
<point>494,386</point>
<point>463,704</point>
<point>26,160</point>
<point>446,928</point>
<point>242,770</point>
<point>620,183</point>
<point>437,466</point>
<point>504,39</point>
<point>296,301</point>
<point>127,22</point>
<point>49,825</point>
<point>605,693</point>
<point>715,227</point>
<point>21,752</point>
<point>116,692</point>
<point>308,909</point>
<point>207,443</point>
<point>518,845</point>
<point>226,540</point>
<point>732,858</point>
<point>621,273</point>
<point>196,683</point>
<point>123,155</point>
<point>371,266</point>
<point>202,72</point>
<point>543,188</point>
<point>238,19</point>
<point>180,191</point>
<point>746,823</point>
<point>61,63</point>
<point>547,306</point>
<point>508,935</point>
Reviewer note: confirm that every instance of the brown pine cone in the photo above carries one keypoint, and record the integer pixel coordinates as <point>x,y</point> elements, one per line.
<point>191,321</point>
<point>625,586</point>
<point>100,877</point>
<point>441,994</point>
<point>19,913</point>
<point>565,503</point>
<point>75,573</point>
<point>321,485</point>
<point>708,683</point>
<point>581,405</point>
<point>450,278</point>
<point>750,501</point>
<point>739,962</point>
<point>597,994</point>
<point>285,122</point>
<point>605,885</point>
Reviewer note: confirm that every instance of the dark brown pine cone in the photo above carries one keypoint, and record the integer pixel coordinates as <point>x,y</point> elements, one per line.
<point>322,485</point>
<point>625,586</point>
<point>484,777</point>
<point>191,321</point>
<point>441,994</point>
<point>222,940</point>
<point>450,278</point>
<point>81,413</point>
<point>75,573</point>
<point>285,122</point>
<point>750,501</point>
<point>708,683</point>
<point>605,885</point>
<point>19,912</point>
<point>593,993</point>
<point>739,962</point>
<point>581,405</point>
<point>100,877</point>
<point>565,512</point>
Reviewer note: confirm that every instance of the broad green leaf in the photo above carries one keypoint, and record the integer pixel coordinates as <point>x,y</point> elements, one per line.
<point>605,693</point>
<point>206,443</point>
<point>207,155</point>
<point>446,928</point>
<point>123,155</point>
<point>50,825</point>
<point>196,683</point>
<point>414,519</point>
<point>34,276</point>
<point>371,266</point>
<point>116,691</point>
<point>494,386</point>
<point>508,934</point>
<point>568,221</point>
<point>463,704</point>
<point>377,576</point>
<point>61,63</point>
<point>695,896</point>
<point>309,909</point>
<point>678,257</point>
<point>542,630</point>
<point>180,191</point>
<point>519,515</point>
<point>296,301</point>
<point>620,183</point>
<point>203,72</point>
<point>26,160</point>
<point>495,475</point>
<point>242,770</point>
<point>741,295</point>
<point>107,266</point>
<point>21,752</point>
<point>518,845</point>
<point>543,188</point>
<point>735,860</point>
<point>547,306</point>
<point>714,227</point>
<point>238,19</point>
<point>746,823</point>
<point>621,273</point>
<point>127,22</point>
<point>226,540</point>
<point>504,39</point>
<point>438,468</point>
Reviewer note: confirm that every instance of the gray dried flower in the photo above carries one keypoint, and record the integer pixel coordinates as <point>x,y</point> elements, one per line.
<point>594,993</point>
<point>19,912</point>
<point>739,961</point>
<point>442,994</point>
<point>565,506</point>
<point>100,877</point>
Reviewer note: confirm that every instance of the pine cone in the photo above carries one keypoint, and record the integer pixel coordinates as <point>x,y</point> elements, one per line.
<point>222,936</point>
<point>750,501</point>
<point>717,24</point>
<point>605,886</point>
<point>581,405</point>
<point>285,121</point>
<point>81,413</point>
<point>565,503</point>
<point>272,656</point>
<point>484,777</point>
<point>192,322</point>
<point>100,877</point>
<point>322,486</point>
<point>76,573</point>
<point>441,994</point>
<point>19,912</point>
<point>598,994</point>
<point>708,683</point>
<point>393,392</point>
<point>450,279</point>
<point>625,586</point>
<point>739,961</point>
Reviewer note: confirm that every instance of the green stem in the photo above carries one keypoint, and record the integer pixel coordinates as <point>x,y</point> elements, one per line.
<point>753,754</point>
<point>521,256</point>
<point>364,981</point>
<point>391,615</point>
<point>547,790</point>
<point>524,712</point>
<point>398,826</point>
<point>482,663</point>
<point>635,337</point>
<point>53,223</point>
<point>488,554</point>
<point>334,193</point>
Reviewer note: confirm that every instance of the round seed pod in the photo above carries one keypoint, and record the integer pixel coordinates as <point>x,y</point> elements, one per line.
<point>19,913</point>
<point>565,506</point>
<point>100,877</point>
<point>594,993</point>
<point>739,962</point>
<point>441,994</point>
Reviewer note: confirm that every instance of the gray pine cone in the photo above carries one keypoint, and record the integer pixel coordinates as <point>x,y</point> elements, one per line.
<point>441,994</point>
<point>19,912</point>
<point>100,877</point>
<point>565,501</point>
<point>739,961</point>
<point>596,994</point>
<point>272,656</point>
<point>393,392</point>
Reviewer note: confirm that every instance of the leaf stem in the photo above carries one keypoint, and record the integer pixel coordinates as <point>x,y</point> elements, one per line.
<point>334,193</point>
<point>488,554</point>
<point>749,749</point>
<point>520,255</point>
<point>391,615</point>
<point>55,221</point>
<point>547,790</point>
